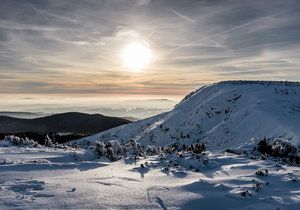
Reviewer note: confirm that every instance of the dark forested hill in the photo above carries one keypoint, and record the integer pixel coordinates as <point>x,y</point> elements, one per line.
<point>71,122</point>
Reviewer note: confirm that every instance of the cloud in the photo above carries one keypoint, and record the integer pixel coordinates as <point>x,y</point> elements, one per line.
<point>53,46</point>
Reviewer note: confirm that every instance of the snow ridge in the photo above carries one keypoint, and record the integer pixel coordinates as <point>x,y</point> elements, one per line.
<point>224,114</point>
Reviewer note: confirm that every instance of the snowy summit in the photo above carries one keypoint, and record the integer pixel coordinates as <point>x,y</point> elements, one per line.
<point>224,114</point>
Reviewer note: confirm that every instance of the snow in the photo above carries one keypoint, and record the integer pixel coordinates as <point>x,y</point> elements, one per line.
<point>39,178</point>
<point>224,114</point>
<point>148,173</point>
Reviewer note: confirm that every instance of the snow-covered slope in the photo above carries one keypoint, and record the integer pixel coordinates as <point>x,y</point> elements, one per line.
<point>46,178</point>
<point>224,114</point>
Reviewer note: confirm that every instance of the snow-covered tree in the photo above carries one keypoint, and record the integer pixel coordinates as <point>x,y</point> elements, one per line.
<point>116,146</point>
<point>48,142</point>
<point>15,140</point>
<point>100,148</point>
<point>135,148</point>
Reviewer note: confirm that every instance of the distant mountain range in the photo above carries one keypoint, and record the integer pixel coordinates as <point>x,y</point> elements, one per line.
<point>23,115</point>
<point>32,115</point>
<point>71,122</point>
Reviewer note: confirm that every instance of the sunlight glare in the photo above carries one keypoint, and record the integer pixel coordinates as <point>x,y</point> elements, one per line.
<point>136,55</point>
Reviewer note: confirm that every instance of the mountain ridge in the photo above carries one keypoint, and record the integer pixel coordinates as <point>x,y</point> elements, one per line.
<point>223,114</point>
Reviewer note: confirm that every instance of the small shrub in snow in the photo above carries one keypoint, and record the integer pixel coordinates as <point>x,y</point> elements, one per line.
<point>48,142</point>
<point>116,146</point>
<point>262,173</point>
<point>17,141</point>
<point>162,157</point>
<point>257,186</point>
<point>179,154</point>
<point>152,150</point>
<point>100,149</point>
<point>112,150</point>
<point>283,148</point>
<point>38,161</point>
<point>169,150</point>
<point>264,147</point>
<point>246,193</point>
<point>135,148</point>
<point>110,153</point>
<point>279,148</point>
<point>198,148</point>
<point>105,150</point>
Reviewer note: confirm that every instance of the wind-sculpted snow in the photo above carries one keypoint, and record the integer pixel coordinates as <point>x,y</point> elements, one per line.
<point>48,178</point>
<point>224,114</point>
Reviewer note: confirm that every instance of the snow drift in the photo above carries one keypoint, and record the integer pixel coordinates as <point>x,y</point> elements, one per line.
<point>224,114</point>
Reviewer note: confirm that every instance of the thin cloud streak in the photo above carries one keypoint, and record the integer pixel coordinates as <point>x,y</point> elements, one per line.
<point>183,16</point>
<point>215,35</point>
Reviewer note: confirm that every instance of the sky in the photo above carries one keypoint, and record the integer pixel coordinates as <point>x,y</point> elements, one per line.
<point>54,49</point>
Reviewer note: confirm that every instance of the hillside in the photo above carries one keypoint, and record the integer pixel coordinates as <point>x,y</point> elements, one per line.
<point>224,114</point>
<point>259,175</point>
<point>71,122</point>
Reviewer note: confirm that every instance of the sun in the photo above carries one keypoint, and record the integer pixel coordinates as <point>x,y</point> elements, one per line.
<point>136,55</point>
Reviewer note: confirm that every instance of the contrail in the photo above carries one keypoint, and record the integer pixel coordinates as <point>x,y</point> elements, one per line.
<point>151,33</point>
<point>38,12</point>
<point>46,14</point>
<point>214,35</point>
<point>183,16</point>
